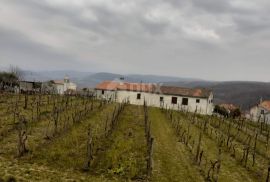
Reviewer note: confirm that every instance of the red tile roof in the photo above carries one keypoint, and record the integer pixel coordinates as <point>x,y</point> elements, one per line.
<point>230,107</point>
<point>58,82</point>
<point>114,85</point>
<point>107,85</point>
<point>196,92</point>
<point>265,104</point>
<point>144,87</point>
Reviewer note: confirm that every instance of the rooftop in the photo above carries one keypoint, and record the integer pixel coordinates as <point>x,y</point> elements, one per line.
<point>196,92</point>
<point>154,88</point>
<point>265,104</point>
<point>230,107</point>
<point>58,82</point>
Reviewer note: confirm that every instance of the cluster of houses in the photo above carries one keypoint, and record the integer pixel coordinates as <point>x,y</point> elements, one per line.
<point>259,112</point>
<point>64,86</point>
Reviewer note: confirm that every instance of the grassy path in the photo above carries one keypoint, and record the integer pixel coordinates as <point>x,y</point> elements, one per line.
<point>123,154</point>
<point>171,160</point>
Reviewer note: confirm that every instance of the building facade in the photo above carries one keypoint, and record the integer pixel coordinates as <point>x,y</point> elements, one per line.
<point>261,112</point>
<point>63,86</point>
<point>177,98</point>
<point>29,86</point>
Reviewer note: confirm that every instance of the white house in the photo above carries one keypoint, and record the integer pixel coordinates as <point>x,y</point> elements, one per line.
<point>199,100</point>
<point>261,112</point>
<point>63,86</point>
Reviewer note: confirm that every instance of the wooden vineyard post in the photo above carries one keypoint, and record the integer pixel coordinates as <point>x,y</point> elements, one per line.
<point>200,158</point>
<point>246,152</point>
<point>25,101</point>
<point>213,171</point>
<point>267,139</point>
<point>194,115</point>
<point>89,146</point>
<point>149,142</point>
<point>55,116</point>
<point>254,150</point>
<point>218,164</point>
<point>198,148</point>
<point>150,158</point>
<point>268,174</point>
<point>15,110</point>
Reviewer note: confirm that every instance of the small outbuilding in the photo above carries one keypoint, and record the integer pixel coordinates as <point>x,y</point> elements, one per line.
<point>29,86</point>
<point>63,86</point>
<point>261,112</point>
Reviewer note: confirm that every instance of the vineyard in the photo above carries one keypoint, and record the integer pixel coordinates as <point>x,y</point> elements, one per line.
<point>80,138</point>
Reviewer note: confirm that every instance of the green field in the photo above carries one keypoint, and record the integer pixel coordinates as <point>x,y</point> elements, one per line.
<point>72,138</point>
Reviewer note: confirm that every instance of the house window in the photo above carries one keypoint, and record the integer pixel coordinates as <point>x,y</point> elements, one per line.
<point>174,100</point>
<point>185,101</point>
<point>102,92</point>
<point>138,96</point>
<point>262,111</point>
<point>161,99</point>
<point>197,100</point>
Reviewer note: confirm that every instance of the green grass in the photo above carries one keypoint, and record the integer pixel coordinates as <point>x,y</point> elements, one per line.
<point>172,161</point>
<point>122,155</point>
<point>231,170</point>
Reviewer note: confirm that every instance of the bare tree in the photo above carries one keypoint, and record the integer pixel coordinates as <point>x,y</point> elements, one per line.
<point>15,70</point>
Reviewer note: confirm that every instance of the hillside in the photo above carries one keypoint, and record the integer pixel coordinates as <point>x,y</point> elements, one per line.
<point>85,79</point>
<point>243,94</point>
<point>93,79</point>
<point>81,139</point>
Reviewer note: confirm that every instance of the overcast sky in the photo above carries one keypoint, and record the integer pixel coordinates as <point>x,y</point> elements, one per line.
<point>208,39</point>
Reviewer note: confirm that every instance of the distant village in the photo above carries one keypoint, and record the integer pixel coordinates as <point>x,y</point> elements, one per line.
<point>64,86</point>
<point>196,100</point>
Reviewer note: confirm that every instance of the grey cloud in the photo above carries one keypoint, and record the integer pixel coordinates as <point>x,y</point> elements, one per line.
<point>211,39</point>
<point>215,6</point>
<point>251,24</point>
<point>19,50</point>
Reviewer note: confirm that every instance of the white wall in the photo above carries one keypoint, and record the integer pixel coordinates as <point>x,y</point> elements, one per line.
<point>71,86</point>
<point>109,95</point>
<point>59,88</point>
<point>62,88</point>
<point>204,107</point>
<point>26,86</point>
<point>255,113</point>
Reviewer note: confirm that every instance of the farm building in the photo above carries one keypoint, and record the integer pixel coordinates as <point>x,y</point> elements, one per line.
<point>63,86</point>
<point>29,86</point>
<point>228,107</point>
<point>199,100</point>
<point>261,112</point>
<point>227,110</point>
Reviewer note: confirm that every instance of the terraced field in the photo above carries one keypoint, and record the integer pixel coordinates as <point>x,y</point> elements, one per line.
<point>73,138</point>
